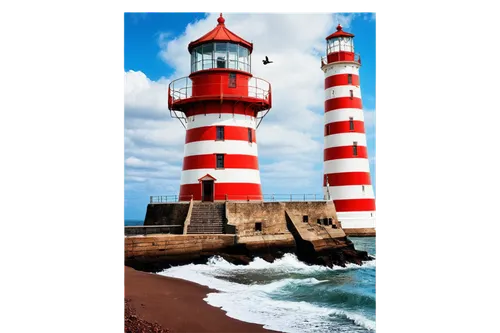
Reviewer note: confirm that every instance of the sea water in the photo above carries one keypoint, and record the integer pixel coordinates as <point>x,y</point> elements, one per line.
<point>289,295</point>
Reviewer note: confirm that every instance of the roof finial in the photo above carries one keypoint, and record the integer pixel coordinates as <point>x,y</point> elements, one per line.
<point>221,20</point>
<point>339,27</point>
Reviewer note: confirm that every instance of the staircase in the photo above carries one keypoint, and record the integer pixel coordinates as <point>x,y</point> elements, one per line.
<point>207,218</point>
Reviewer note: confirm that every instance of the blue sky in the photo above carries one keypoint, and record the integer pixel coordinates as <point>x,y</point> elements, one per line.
<point>290,138</point>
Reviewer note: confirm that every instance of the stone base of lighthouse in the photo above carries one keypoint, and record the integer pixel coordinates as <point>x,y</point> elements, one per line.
<point>192,232</point>
<point>358,224</point>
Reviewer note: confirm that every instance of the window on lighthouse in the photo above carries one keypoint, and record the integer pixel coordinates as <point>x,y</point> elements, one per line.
<point>333,45</point>
<point>221,54</point>
<point>220,161</point>
<point>243,59</point>
<point>351,124</point>
<point>349,78</point>
<point>233,55</point>
<point>197,59</point>
<point>220,133</point>
<point>232,80</point>
<point>347,44</point>
<point>250,135</point>
<point>352,94</point>
<point>355,148</point>
<point>208,56</point>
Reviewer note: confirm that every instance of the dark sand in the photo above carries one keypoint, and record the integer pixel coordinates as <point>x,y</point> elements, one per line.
<point>177,305</point>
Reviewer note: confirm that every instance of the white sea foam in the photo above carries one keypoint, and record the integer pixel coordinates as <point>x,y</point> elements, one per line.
<point>252,303</point>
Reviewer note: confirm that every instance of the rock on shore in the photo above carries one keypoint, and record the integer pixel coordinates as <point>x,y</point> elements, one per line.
<point>135,324</point>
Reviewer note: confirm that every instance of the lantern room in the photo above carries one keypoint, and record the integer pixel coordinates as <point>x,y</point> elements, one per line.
<point>220,55</point>
<point>220,48</point>
<point>340,47</point>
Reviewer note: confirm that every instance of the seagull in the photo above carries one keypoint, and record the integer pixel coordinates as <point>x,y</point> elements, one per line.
<point>265,62</point>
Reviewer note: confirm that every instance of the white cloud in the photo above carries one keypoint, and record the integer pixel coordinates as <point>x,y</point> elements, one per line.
<point>290,137</point>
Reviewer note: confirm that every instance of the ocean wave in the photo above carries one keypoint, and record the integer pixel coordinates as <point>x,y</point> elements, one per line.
<point>288,263</point>
<point>263,293</point>
<point>356,318</point>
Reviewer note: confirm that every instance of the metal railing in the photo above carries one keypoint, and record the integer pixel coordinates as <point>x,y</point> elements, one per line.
<point>243,197</point>
<point>182,88</point>
<point>341,57</point>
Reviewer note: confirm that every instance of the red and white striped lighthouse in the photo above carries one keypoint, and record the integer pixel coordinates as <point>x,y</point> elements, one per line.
<point>221,105</point>
<point>346,178</point>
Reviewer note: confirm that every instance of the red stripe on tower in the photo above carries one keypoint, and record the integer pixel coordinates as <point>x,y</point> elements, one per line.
<point>220,105</point>
<point>346,178</point>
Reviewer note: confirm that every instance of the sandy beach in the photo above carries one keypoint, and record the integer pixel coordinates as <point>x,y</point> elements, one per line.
<point>157,303</point>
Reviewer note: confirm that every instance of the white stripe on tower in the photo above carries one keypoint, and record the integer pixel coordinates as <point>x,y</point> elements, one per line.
<point>345,139</point>
<point>343,114</point>
<point>342,91</point>
<point>346,164</point>
<point>227,147</point>
<point>223,119</point>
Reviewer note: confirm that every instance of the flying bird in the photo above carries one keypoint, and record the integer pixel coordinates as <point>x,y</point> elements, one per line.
<point>265,62</point>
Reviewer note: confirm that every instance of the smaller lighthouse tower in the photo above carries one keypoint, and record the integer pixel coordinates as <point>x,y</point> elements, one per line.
<point>346,178</point>
<point>220,104</point>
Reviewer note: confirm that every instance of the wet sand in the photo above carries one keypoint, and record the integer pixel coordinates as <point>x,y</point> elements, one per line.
<point>178,306</point>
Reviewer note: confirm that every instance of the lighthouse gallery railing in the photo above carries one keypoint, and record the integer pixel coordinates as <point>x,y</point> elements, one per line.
<point>183,88</point>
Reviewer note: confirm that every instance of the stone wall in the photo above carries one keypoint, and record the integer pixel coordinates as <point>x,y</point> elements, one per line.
<point>320,236</point>
<point>271,215</point>
<point>244,216</point>
<point>156,229</point>
<point>360,232</point>
<point>166,213</point>
<point>174,245</point>
<point>273,223</point>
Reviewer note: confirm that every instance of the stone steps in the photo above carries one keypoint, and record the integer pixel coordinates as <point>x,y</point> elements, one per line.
<point>206,224</point>
<point>207,218</point>
<point>205,230</point>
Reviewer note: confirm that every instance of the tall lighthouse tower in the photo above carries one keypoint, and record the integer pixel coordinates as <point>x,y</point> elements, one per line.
<point>346,178</point>
<point>221,105</point>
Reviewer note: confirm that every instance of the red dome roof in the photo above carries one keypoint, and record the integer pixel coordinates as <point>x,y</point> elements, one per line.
<point>340,33</point>
<point>220,34</point>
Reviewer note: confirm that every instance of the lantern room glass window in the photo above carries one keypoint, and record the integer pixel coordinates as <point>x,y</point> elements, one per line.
<point>208,56</point>
<point>340,44</point>
<point>220,55</point>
